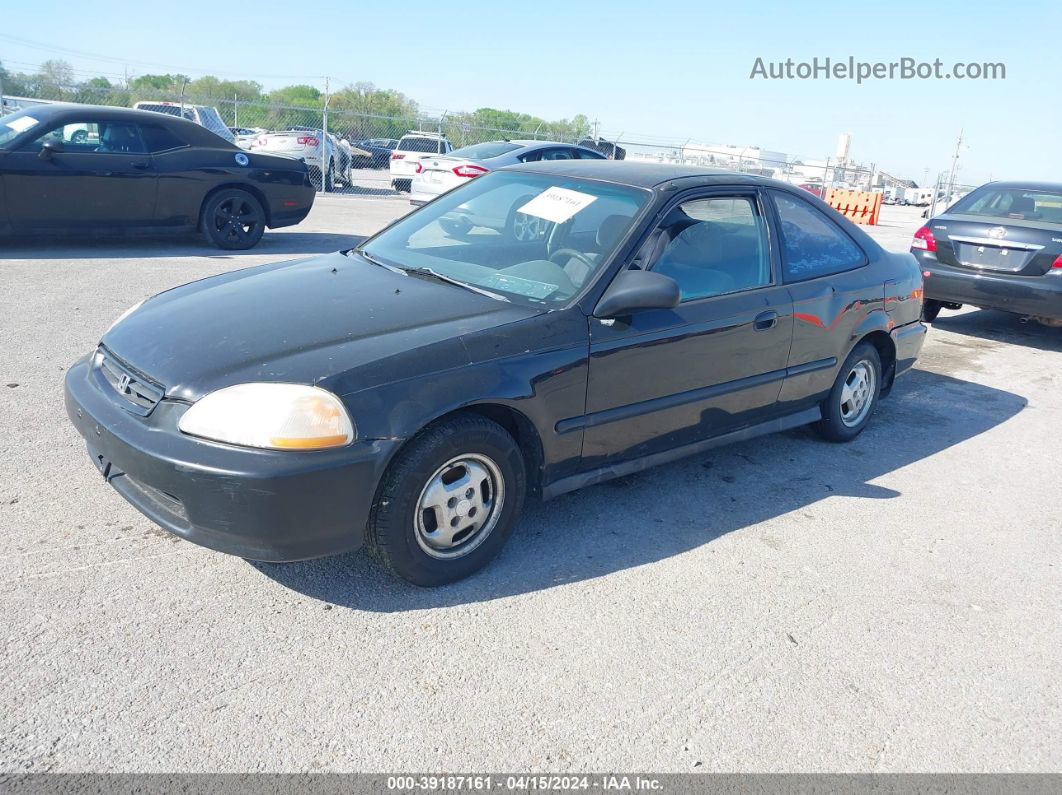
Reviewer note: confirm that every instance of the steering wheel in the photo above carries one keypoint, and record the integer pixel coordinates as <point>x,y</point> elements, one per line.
<point>568,253</point>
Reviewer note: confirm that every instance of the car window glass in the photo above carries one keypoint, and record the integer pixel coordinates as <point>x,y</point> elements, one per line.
<point>116,137</point>
<point>421,145</point>
<point>715,246</point>
<point>531,157</point>
<point>1020,204</point>
<point>159,139</point>
<point>812,246</point>
<point>586,154</point>
<point>557,154</point>
<point>510,233</point>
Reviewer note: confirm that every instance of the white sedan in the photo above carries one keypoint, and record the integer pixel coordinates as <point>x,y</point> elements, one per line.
<point>436,174</point>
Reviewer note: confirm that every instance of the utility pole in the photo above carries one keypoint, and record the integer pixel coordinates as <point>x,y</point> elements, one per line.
<point>954,167</point>
<point>235,110</point>
<point>324,139</point>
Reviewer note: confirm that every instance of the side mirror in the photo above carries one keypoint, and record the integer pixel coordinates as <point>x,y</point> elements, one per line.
<point>50,147</point>
<point>633,290</point>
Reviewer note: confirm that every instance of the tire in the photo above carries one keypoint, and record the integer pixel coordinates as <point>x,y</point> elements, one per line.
<point>840,424</point>
<point>930,310</point>
<point>403,185</point>
<point>521,227</point>
<point>329,180</point>
<point>233,219</point>
<point>407,530</point>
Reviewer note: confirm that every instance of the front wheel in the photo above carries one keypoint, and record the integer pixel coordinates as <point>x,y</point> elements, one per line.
<point>233,219</point>
<point>449,502</point>
<point>851,402</point>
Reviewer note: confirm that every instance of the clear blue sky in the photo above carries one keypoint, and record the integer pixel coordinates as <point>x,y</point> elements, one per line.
<point>671,69</point>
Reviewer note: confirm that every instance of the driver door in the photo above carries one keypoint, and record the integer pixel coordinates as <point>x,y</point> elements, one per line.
<point>102,178</point>
<point>663,378</point>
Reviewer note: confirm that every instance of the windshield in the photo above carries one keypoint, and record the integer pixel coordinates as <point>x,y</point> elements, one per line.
<point>1016,203</point>
<point>14,124</point>
<point>532,238</point>
<point>484,151</point>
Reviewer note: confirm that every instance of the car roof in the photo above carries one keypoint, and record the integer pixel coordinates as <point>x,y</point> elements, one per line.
<point>1054,187</point>
<point>642,174</point>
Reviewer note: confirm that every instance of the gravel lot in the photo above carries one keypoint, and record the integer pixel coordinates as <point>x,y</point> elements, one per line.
<point>780,605</point>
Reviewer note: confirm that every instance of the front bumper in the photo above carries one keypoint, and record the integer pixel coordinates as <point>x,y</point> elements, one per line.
<point>1027,295</point>
<point>258,504</point>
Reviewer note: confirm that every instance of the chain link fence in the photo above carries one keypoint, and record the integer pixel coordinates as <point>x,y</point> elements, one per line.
<point>348,150</point>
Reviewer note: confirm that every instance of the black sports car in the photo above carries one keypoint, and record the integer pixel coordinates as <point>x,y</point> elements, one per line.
<point>999,247</point>
<point>92,170</point>
<point>410,393</point>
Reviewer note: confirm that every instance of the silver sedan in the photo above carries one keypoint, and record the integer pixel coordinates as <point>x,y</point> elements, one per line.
<point>437,174</point>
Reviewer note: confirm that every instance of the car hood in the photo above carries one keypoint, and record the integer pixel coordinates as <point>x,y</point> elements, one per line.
<point>309,321</point>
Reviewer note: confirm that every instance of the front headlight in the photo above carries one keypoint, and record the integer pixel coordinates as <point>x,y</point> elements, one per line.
<point>273,416</point>
<point>125,314</point>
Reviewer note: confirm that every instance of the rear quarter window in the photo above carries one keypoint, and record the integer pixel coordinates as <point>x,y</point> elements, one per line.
<point>159,139</point>
<point>812,245</point>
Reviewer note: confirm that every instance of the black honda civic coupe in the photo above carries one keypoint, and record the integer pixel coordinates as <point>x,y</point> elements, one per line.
<point>999,247</point>
<point>84,170</point>
<point>411,393</point>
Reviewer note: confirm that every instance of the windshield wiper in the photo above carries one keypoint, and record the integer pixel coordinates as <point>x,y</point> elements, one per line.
<point>375,261</point>
<point>421,271</point>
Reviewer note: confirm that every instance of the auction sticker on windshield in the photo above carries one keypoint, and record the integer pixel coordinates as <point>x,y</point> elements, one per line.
<point>22,123</point>
<point>557,204</point>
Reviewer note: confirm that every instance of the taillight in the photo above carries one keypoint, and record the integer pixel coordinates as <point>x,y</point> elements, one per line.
<point>397,155</point>
<point>470,171</point>
<point>1056,266</point>
<point>417,168</point>
<point>309,140</point>
<point>924,239</point>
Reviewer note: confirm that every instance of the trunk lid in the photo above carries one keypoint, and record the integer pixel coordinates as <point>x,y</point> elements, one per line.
<point>999,245</point>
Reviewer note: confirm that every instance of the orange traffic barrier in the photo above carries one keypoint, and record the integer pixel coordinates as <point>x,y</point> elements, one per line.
<point>858,206</point>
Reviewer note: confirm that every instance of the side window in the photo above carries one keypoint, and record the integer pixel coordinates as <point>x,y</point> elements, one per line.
<point>75,137</point>
<point>714,246</point>
<point>586,154</point>
<point>812,246</point>
<point>531,157</point>
<point>557,153</point>
<point>109,137</point>
<point>158,139</point>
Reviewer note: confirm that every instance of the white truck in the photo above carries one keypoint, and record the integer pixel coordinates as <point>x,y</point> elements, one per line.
<point>202,115</point>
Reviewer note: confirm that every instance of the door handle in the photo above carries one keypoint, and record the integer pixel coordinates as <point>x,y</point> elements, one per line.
<point>765,320</point>
<point>141,164</point>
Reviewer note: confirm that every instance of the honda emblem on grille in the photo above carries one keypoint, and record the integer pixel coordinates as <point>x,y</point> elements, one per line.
<point>123,384</point>
<point>997,232</point>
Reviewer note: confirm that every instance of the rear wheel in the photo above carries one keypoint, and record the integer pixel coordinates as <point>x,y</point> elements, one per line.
<point>930,310</point>
<point>330,180</point>
<point>851,402</point>
<point>449,502</point>
<point>233,219</point>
